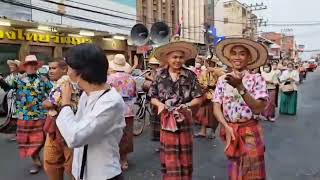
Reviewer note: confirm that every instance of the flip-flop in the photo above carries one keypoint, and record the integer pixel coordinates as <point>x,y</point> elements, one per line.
<point>198,135</point>
<point>125,166</point>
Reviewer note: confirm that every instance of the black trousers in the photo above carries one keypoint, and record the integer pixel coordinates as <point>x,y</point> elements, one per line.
<point>119,177</point>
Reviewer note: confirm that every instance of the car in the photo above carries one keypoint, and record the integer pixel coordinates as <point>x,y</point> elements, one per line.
<point>312,65</point>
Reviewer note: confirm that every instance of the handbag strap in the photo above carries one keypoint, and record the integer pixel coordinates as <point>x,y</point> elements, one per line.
<point>85,149</point>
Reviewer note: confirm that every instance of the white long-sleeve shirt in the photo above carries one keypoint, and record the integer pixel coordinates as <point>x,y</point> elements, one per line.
<point>294,74</point>
<point>99,122</point>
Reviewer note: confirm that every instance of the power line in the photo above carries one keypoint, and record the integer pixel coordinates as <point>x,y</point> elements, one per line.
<point>16,3</point>
<point>89,5</point>
<point>88,10</point>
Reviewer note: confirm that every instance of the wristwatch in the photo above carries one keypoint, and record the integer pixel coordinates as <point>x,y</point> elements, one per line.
<point>243,91</point>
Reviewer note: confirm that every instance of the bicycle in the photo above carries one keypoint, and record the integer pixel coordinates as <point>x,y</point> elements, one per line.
<point>141,114</point>
<point>140,118</point>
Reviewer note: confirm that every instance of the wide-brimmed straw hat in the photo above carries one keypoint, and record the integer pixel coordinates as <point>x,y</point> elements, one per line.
<point>153,60</point>
<point>188,49</point>
<point>258,52</point>
<point>31,59</point>
<point>119,63</point>
<point>16,62</point>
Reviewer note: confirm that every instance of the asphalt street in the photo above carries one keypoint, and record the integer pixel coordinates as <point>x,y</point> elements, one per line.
<point>292,148</point>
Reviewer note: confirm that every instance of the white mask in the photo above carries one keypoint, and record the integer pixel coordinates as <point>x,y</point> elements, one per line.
<point>266,69</point>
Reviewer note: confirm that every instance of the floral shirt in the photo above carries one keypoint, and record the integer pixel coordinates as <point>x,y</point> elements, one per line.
<point>31,91</point>
<point>234,107</point>
<point>11,78</point>
<point>55,96</point>
<point>173,94</point>
<point>125,84</point>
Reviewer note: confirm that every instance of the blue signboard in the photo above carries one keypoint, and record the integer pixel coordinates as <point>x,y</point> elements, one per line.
<point>217,39</point>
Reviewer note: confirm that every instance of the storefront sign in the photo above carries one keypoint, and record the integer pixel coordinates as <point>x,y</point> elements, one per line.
<point>22,35</point>
<point>114,44</point>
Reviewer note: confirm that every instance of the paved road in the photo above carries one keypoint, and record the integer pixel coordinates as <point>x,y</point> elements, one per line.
<point>292,148</point>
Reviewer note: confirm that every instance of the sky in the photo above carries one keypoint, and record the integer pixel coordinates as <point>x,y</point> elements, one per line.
<point>293,11</point>
<point>131,3</point>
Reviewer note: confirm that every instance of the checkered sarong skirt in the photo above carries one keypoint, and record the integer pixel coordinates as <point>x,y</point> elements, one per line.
<point>176,152</point>
<point>30,137</point>
<point>251,165</point>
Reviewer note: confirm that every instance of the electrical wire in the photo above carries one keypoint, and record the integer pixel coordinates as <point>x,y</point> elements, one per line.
<point>89,5</point>
<point>88,10</point>
<point>20,4</point>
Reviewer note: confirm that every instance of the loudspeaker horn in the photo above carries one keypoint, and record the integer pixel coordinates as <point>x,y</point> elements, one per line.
<point>160,33</point>
<point>139,34</point>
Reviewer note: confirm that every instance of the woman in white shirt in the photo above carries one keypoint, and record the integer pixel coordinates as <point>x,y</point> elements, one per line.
<point>96,129</point>
<point>289,90</point>
<point>271,77</point>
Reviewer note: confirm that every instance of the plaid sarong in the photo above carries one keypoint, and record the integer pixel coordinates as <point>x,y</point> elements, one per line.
<point>30,137</point>
<point>155,124</point>
<point>176,152</point>
<point>246,153</point>
<point>270,111</point>
<point>205,116</point>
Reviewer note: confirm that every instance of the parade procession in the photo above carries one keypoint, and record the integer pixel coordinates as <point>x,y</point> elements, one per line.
<point>159,90</point>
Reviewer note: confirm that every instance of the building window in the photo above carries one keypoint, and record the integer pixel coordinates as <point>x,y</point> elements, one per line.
<point>7,51</point>
<point>226,20</point>
<point>144,19</point>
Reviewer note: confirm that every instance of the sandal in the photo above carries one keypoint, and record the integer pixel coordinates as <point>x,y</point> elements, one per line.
<point>125,166</point>
<point>35,169</point>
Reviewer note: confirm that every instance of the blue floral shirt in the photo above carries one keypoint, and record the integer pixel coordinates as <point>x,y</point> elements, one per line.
<point>31,91</point>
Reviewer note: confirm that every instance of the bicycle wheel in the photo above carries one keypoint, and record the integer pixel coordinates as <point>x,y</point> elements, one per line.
<point>139,121</point>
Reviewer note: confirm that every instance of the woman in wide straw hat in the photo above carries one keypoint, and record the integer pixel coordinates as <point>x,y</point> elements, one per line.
<point>238,97</point>
<point>175,90</point>
<point>31,90</point>
<point>121,79</point>
<point>119,63</point>
<point>10,125</point>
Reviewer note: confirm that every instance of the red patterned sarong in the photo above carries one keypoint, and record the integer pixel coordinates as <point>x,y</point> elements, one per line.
<point>246,153</point>
<point>270,111</point>
<point>30,137</point>
<point>176,151</point>
<point>206,117</point>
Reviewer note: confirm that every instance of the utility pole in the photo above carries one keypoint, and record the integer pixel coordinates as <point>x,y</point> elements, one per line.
<point>255,7</point>
<point>253,21</point>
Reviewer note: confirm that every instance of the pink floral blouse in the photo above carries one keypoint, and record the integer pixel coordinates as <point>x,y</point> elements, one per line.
<point>125,84</point>
<point>234,107</point>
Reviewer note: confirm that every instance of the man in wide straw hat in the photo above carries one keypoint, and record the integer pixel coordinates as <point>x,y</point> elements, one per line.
<point>32,90</point>
<point>239,96</point>
<point>175,90</point>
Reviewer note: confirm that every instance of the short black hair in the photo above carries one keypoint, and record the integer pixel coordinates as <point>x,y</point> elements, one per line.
<point>61,62</point>
<point>89,61</point>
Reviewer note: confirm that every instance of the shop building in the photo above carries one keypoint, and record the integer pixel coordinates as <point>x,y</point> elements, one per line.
<point>48,30</point>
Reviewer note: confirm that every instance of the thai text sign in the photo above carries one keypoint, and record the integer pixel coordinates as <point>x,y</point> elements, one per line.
<point>22,35</point>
